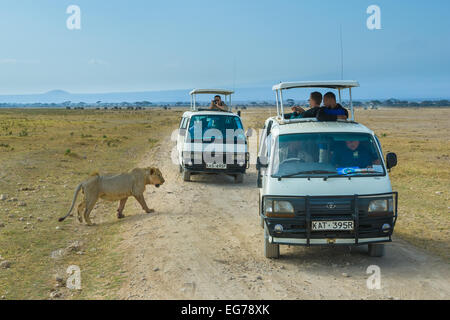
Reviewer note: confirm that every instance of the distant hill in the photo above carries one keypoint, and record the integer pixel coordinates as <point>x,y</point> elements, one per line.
<point>251,96</point>
<point>59,96</point>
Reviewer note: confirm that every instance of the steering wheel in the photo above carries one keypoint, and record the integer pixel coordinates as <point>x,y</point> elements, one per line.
<point>291,160</point>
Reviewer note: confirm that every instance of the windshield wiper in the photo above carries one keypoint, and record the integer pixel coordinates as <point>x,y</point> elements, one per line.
<point>307,172</point>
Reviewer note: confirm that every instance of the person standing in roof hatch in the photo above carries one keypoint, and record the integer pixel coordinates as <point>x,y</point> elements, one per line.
<point>218,104</point>
<point>331,111</point>
<point>315,99</point>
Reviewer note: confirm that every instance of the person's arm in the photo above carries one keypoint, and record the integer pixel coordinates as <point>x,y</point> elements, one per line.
<point>343,117</point>
<point>222,107</point>
<point>310,113</point>
<point>322,115</point>
<point>297,109</point>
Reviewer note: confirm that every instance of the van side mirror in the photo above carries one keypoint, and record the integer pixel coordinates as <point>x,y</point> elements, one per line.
<point>239,113</point>
<point>391,160</point>
<point>249,132</point>
<point>260,164</point>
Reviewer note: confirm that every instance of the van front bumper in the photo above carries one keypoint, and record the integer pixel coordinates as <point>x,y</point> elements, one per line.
<point>297,230</point>
<point>329,241</point>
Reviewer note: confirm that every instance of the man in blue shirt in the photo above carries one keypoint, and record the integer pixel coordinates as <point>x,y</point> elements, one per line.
<point>332,111</point>
<point>354,155</point>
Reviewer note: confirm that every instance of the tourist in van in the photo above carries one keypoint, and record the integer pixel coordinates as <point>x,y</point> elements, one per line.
<point>315,99</point>
<point>331,111</point>
<point>218,104</point>
<point>354,154</point>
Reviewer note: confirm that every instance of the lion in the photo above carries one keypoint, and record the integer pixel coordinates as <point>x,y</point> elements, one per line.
<point>115,188</point>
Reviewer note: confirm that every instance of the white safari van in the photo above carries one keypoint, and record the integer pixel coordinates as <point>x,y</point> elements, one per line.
<point>212,142</point>
<point>323,183</point>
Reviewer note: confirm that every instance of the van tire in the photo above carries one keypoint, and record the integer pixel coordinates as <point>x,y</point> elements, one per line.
<point>239,178</point>
<point>186,175</point>
<point>261,221</point>
<point>376,249</point>
<point>181,168</point>
<point>271,250</point>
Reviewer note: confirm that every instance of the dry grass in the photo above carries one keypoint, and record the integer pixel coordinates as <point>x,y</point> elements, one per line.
<point>46,153</point>
<point>420,137</point>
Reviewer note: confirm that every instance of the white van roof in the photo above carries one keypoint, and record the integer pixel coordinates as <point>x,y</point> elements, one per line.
<point>207,112</point>
<point>314,126</point>
<point>334,84</point>
<point>211,91</point>
<point>227,93</point>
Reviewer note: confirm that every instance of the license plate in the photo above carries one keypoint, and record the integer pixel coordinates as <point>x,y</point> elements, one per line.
<point>332,225</point>
<point>216,166</point>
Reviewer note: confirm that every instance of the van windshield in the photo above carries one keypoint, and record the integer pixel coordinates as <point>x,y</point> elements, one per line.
<point>216,127</point>
<point>326,154</point>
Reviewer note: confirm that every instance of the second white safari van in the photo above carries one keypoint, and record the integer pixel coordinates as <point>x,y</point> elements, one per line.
<point>212,141</point>
<point>323,183</point>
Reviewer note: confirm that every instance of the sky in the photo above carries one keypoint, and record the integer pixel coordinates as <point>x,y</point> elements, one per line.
<point>145,45</point>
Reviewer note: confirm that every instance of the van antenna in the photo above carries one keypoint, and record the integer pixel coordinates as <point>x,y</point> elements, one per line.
<point>234,74</point>
<point>342,53</point>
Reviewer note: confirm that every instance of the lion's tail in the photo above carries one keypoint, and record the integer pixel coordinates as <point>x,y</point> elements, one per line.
<point>73,202</point>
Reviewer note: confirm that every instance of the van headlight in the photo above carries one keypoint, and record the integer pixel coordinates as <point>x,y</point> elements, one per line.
<point>278,208</point>
<point>381,206</point>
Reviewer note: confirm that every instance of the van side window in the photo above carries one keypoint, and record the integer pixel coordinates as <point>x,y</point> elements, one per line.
<point>379,144</point>
<point>269,147</point>
<point>262,148</point>
<point>269,127</point>
<point>184,123</point>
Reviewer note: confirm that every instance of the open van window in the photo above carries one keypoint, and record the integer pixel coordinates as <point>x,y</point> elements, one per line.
<point>319,154</point>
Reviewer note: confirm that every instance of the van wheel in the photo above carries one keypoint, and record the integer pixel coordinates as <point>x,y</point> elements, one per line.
<point>239,178</point>
<point>261,221</point>
<point>186,175</point>
<point>271,250</point>
<point>376,249</point>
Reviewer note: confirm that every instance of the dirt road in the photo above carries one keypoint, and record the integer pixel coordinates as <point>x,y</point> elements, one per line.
<point>205,242</point>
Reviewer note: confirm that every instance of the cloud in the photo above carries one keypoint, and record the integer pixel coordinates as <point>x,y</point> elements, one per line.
<point>98,62</point>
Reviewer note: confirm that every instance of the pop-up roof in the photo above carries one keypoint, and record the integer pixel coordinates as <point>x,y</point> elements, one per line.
<point>334,84</point>
<point>225,92</point>
<point>211,91</point>
<point>338,84</point>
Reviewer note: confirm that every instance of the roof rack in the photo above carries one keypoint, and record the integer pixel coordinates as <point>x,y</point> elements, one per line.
<point>335,84</point>
<point>225,92</point>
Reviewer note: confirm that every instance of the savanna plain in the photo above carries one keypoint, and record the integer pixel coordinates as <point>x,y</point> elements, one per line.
<point>184,252</point>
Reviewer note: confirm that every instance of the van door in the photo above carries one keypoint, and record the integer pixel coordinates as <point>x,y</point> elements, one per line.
<point>182,132</point>
<point>263,152</point>
<point>268,151</point>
